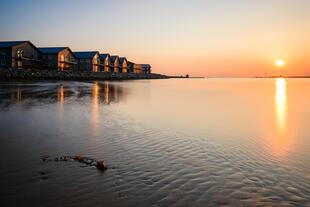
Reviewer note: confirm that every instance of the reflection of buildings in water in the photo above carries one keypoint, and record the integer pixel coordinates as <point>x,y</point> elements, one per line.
<point>16,95</point>
<point>95,118</point>
<point>104,93</point>
<point>112,92</point>
<point>60,94</point>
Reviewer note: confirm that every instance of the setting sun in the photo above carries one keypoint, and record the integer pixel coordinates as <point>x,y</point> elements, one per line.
<point>279,63</point>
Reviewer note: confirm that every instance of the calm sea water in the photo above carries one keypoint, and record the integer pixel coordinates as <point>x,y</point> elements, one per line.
<point>177,142</point>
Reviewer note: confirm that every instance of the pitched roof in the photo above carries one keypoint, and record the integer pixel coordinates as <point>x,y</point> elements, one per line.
<point>51,49</point>
<point>114,57</point>
<point>11,43</point>
<point>122,59</point>
<point>146,65</point>
<point>86,54</point>
<point>104,56</point>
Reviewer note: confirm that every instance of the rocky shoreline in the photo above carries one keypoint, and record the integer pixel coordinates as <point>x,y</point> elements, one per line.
<point>23,74</point>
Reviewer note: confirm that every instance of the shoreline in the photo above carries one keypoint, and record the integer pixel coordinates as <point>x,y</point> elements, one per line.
<point>23,74</point>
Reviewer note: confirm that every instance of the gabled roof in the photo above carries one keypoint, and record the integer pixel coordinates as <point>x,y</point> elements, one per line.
<point>146,65</point>
<point>11,43</point>
<point>51,49</point>
<point>8,44</point>
<point>122,59</point>
<point>114,57</point>
<point>86,54</point>
<point>104,56</point>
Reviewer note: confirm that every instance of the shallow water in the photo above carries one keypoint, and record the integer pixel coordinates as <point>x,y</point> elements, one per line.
<point>177,142</point>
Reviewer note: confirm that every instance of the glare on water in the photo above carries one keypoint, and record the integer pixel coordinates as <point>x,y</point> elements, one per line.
<point>183,142</point>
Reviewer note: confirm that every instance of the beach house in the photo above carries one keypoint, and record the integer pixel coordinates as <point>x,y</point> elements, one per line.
<point>58,58</point>
<point>146,68</point>
<point>115,63</point>
<point>19,55</point>
<point>137,68</point>
<point>123,63</point>
<point>105,62</point>
<point>88,61</point>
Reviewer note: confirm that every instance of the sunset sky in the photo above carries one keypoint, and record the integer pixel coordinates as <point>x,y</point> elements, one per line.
<point>199,37</point>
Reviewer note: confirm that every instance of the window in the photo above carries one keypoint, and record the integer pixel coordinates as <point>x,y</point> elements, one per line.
<point>62,58</point>
<point>3,57</point>
<point>19,64</point>
<point>34,55</point>
<point>3,62</point>
<point>19,53</point>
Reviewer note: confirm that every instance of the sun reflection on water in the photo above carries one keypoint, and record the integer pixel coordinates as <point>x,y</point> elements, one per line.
<point>280,101</point>
<point>282,140</point>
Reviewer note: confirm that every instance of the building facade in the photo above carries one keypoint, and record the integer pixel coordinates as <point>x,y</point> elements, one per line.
<point>115,63</point>
<point>58,58</point>
<point>24,55</point>
<point>146,68</point>
<point>19,55</point>
<point>105,60</point>
<point>88,61</point>
<point>123,63</point>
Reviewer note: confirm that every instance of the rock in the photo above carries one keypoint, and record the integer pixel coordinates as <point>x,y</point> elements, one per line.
<point>94,163</point>
<point>78,158</point>
<point>87,161</point>
<point>102,165</point>
<point>44,158</point>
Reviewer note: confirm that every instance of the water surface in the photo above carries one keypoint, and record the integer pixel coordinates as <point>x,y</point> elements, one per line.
<point>177,142</point>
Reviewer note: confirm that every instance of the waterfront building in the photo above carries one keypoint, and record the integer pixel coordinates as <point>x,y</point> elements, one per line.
<point>19,55</point>
<point>115,63</point>
<point>146,68</point>
<point>130,67</point>
<point>123,64</point>
<point>88,61</point>
<point>137,68</point>
<point>58,58</point>
<point>105,60</point>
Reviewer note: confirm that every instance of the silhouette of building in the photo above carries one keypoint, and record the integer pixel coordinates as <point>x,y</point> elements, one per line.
<point>58,58</point>
<point>88,61</point>
<point>19,54</point>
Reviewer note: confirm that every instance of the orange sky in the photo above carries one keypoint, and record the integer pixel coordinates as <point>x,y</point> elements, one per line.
<point>200,37</point>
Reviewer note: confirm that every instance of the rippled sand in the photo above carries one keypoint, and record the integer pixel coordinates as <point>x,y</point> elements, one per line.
<point>158,153</point>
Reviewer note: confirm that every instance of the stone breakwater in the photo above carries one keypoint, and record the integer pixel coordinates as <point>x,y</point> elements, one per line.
<point>22,74</point>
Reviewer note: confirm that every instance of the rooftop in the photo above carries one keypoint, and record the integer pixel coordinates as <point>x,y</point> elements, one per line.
<point>86,54</point>
<point>11,43</point>
<point>51,49</point>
